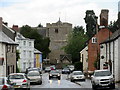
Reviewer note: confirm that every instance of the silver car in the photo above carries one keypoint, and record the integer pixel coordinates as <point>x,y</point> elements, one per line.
<point>4,84</point>
<point>34,77</point>
<point>77,76</point>
<point>102,79</point>
<point>19,80</point>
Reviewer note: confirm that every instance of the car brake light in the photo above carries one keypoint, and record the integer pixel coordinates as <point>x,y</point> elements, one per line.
<point>5,87</point>
<point>24,80</point>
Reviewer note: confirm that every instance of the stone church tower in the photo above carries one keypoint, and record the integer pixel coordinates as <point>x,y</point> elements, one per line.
<point>58,34</point>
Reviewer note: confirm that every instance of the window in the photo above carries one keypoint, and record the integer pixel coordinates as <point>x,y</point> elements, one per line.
<point>24,65</point>
<point>29,43</point>
<point>56,30</point>
<point>24,53</point>
<point>30,53</point>
<point>24,42</point>
<point>94,40</point>
<point>29,64</point>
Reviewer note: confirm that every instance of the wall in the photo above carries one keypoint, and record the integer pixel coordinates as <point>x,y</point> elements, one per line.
<point>58,33</point>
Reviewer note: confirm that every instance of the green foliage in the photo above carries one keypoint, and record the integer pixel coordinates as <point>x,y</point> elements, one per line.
<point>40,43</point>
<point>90,20</point>
<point>113,26</point>
<point>78,66</point>
<point>76,41</point>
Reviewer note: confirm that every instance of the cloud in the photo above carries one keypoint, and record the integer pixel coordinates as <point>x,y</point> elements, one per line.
<point>33,12</point>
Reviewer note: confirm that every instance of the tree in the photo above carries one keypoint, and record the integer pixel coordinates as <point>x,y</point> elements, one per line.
<point>41,43</point>
<point>76,41</point>
<point>113,26</point>
<point>91,21</point>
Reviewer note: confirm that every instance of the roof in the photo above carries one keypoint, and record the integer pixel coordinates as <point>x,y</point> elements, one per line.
<point>37,51</point>
<point>5,39</point>
<point>113,37</point>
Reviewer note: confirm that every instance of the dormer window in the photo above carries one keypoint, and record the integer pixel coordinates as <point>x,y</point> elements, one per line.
<point>94,40</point>
<point>56,30</point>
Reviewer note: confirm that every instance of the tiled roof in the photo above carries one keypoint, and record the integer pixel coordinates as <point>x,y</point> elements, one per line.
<point>113,37</point>
<point>5,39</point>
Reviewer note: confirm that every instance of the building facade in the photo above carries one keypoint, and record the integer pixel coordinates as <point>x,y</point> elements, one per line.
<point>110,55</point>
<point>84,58</point>
<point>93,44</point>
<point>58,34</point>
<point>7,51</point>
<point>37,58</point>
<point>26,50</point>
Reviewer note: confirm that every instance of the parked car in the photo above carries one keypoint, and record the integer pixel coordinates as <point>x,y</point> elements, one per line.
<point>55,74</point>
<point>18,80</point>
<point>102,78</point>
<point>71,67</point>
<point>33,69</point>
<point>34,77</point>
<point>4,85</point>
<point>77,76</point>
<point>66,70</point>
<point>47,69</point>
<point>52,67</point>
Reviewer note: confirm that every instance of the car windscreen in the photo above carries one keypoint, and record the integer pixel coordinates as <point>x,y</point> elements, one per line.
<point>16,77</point>
<point>33,74</point>
<point>102,73</point>
<point>77,73</point>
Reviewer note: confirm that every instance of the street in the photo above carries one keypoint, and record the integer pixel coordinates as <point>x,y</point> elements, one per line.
<point>63,83</point>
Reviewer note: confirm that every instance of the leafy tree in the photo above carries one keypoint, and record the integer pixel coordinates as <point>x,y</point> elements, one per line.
<point>78,66</point>
<point>90,20</point>
<point>113,26</point>
<point>40,43</point>
<point>76,41</point>
<point>40,25</point>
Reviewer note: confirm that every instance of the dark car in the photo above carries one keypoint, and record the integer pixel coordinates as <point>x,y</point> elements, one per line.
<point>66,70</point>
<point>55,74</point>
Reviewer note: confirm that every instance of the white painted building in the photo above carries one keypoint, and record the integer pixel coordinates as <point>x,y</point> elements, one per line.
<point>26,50</point>
<point>84,58</point>
<point>7,52</point>
<point>110,53</point>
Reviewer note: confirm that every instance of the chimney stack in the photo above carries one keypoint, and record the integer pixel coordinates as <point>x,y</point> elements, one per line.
<point>104,17</point>
<point>15,28</point>
<point>0,23</point>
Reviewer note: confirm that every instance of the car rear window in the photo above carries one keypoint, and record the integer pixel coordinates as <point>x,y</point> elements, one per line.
<point>77,73</point>
<point>33,74</point>
<point>16,77</point>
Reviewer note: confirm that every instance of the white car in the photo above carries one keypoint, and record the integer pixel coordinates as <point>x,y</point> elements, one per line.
<point>77,76</point>
<point>4,85</point>
<point>19,80</point>
<point>102,78</point>
<point>34,77</point>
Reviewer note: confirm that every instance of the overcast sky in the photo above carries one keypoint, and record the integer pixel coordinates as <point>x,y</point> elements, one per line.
<point>33,12</point>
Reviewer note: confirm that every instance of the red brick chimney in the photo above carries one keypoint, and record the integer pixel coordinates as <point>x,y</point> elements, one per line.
<point>104,17</point>
<point>15,28</point>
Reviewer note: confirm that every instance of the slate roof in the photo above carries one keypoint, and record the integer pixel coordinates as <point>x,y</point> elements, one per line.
<point>113,37</point>
<point>37,51</point>
<point>5,39</point>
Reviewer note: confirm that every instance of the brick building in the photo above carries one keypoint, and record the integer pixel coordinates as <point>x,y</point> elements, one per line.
<point>93,44</point>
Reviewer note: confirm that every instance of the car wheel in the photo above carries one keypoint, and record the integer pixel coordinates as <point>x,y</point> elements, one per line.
<point>112,86</point>
<point>40,82</point>
<point>93,87</point>
<point>49,77</point>
<point>72,80</point>
<point>59,78</point>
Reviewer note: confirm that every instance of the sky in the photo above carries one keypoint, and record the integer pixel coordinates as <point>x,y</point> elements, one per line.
<point>34,12</point>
